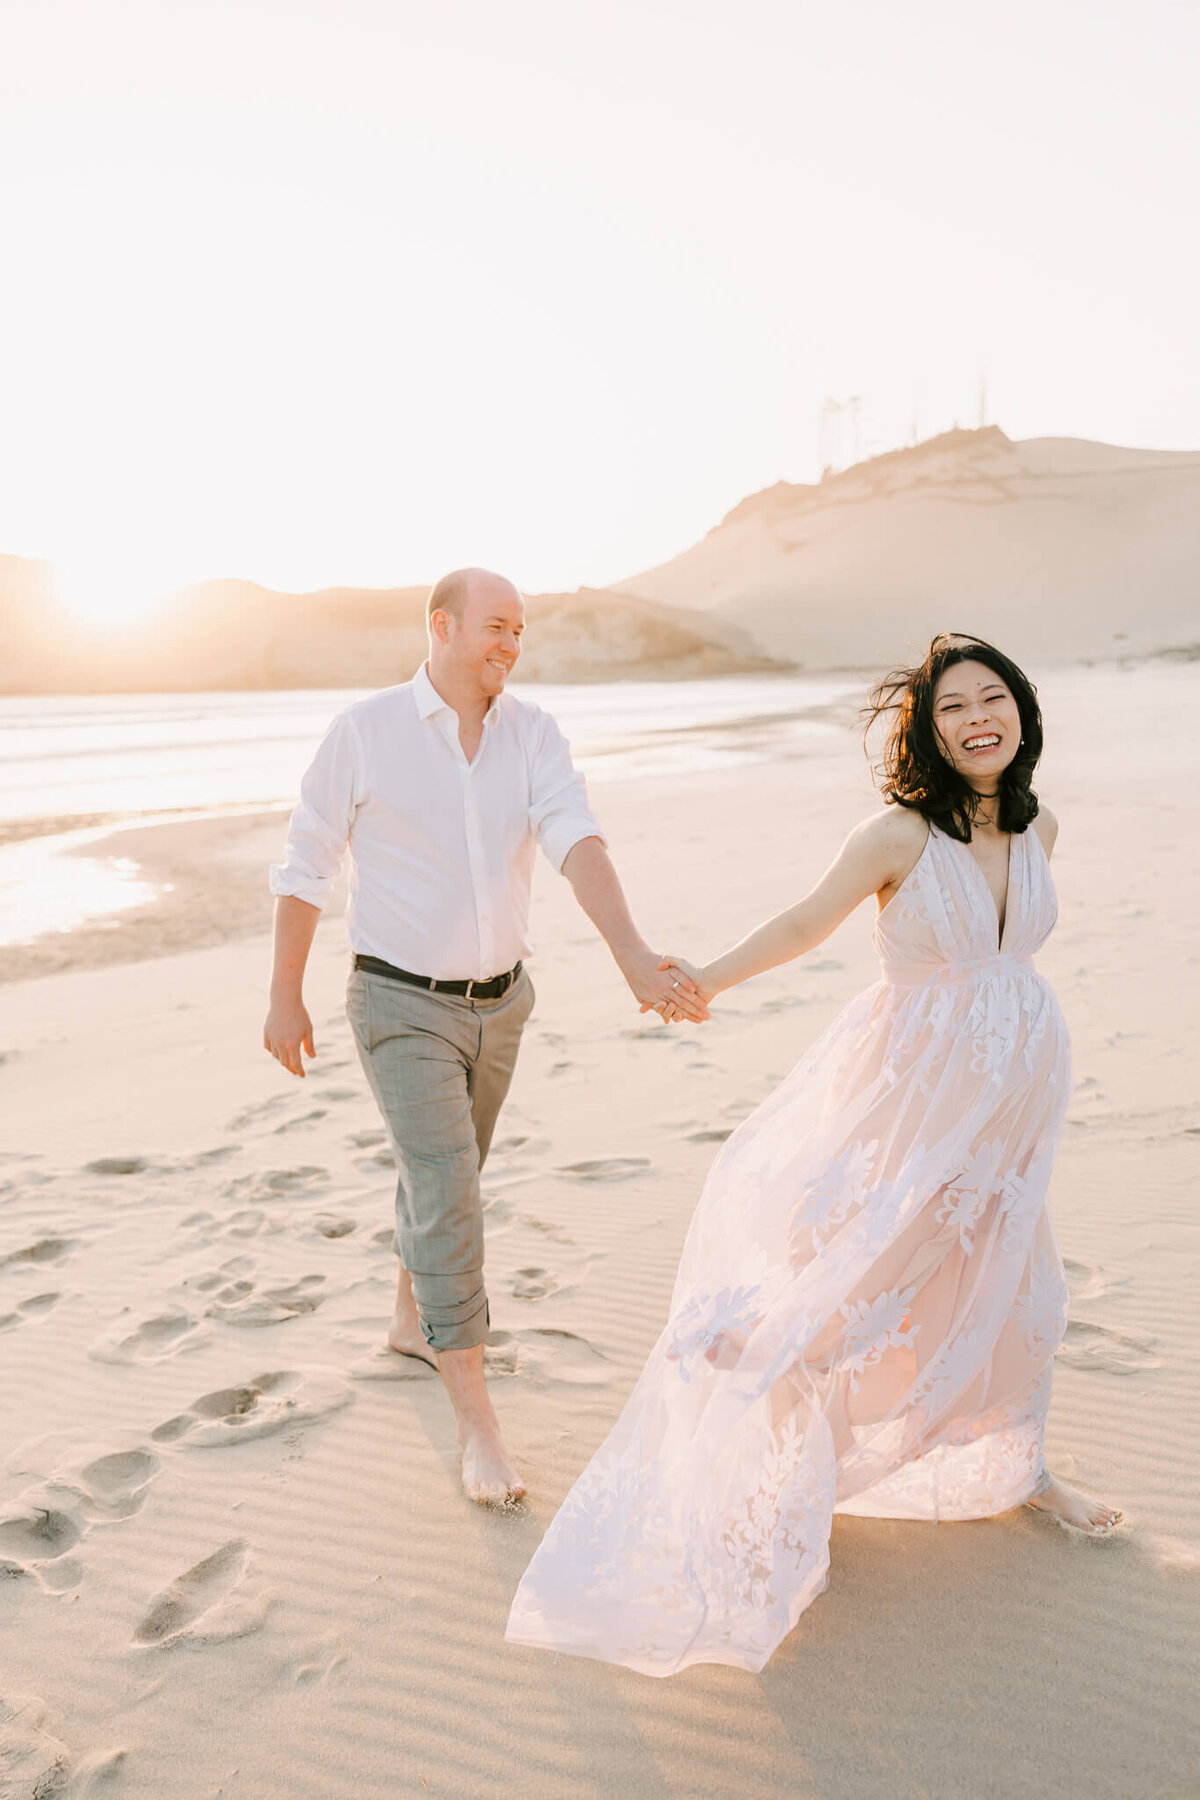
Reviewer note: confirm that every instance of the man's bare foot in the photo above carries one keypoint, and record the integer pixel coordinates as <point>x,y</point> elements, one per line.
<point>407,1339</point>
<point>488,1477</point>
<point>405,1336</point>
<point>1076,1511</point>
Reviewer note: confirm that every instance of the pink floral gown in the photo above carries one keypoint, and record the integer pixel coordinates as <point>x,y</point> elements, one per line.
<point>867,1306</point>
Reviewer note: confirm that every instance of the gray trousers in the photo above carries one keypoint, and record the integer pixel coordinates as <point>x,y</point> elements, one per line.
<point>439,1068</point>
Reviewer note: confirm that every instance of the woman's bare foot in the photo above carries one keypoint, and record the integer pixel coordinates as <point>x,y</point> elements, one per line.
<point>1076,1511</point>
<point>488,1477</point>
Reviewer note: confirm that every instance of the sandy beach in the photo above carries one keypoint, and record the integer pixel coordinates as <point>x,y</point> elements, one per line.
<point>234,1556</point>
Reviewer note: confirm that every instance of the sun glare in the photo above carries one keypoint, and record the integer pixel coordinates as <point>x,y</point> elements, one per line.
<point>102,594</point>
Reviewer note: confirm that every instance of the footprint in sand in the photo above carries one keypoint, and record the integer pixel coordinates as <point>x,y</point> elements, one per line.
<point>268,1184</point>
<point>49,1520</point>
<point>203,1159</point>
<point>546,1228</point>
<point>266,1404</point>
<point>1093,1347</point>
<point>339,1095</point>
<point>35,1307</point>
<point>37,1534</point>
<point>606,1168</point>
<point>317,1667</point>
<point>217,1278</point>
<point>44,1250</point>
<point>377,1159</point>
<point>242,1303</point>
<point>152,1341</point>
<point>211,1602</point>
<point>1090,1281</point>
<point>115,1484</point>
<point>308,1118</point>
<point>33,1761</point>
<point>533,1284</point>
<point>333,1225</point>
<point>366,1140</point>
<point>385,1235</point>
<point>263,1109</point>
<point>717,1135</point>
<point>117,1165</point>
<point>546,1355</point>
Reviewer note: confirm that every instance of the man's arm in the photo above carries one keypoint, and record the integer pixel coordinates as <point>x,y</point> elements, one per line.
<point>318,833</point>
<point>589,869</point>
<point>288,1025</point>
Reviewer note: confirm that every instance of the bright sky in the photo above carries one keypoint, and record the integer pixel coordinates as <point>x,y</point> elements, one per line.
<point>315,291</point>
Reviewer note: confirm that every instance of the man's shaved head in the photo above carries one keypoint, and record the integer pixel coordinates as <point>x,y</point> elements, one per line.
<point>453,591</point>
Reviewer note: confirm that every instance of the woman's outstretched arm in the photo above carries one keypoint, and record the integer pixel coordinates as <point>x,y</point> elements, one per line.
<point>877,856</point>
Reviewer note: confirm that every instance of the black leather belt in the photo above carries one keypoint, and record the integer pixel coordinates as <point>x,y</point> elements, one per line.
<point>466,990</point>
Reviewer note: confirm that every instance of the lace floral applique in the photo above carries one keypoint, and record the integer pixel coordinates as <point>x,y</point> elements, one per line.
<point>873,1327</point>
<point>946,1377</point>
<point>1042,1312</point>
<point>836,1189</point>
<point>783,1525</point>
<point>980,1180</point>
<point>1023,1201</point>
<point>709,1325</point>
<point>993,1025</point>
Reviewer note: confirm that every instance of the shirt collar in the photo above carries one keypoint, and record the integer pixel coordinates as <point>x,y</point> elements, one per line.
<point>429,701</point>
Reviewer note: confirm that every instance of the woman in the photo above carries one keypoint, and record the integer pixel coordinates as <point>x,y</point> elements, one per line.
<point>870,1295</point>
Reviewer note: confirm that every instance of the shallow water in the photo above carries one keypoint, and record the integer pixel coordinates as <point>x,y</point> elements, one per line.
<point>161,754</point>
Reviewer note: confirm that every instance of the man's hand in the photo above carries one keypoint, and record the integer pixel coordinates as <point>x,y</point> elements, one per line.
<point>288,1028</point>
<point>692,980</point>
<point>658,989</point>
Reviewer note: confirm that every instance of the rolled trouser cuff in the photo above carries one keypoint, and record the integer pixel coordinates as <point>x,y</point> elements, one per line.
<point>454,1309</point>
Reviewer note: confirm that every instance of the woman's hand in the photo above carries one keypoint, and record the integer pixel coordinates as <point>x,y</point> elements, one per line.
<point>692,981</point>
<point>671,996</point>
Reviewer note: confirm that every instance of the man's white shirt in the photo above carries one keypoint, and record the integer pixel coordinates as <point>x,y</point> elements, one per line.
<point>441,850</point>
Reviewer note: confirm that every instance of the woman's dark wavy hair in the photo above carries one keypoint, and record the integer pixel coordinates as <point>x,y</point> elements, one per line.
<point>915,771</point>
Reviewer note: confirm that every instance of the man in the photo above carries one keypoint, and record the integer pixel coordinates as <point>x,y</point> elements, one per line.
<point>440,788</point>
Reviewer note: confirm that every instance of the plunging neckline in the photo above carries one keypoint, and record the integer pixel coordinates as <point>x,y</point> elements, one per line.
<point>1001,923</point>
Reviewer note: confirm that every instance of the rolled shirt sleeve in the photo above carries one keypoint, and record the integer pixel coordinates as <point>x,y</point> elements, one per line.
<point>558,805</point>
<point>319,830</point>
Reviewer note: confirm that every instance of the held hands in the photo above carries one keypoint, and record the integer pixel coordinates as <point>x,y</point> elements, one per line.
<point>288,1029</point>
<point>661,988</point>
<point>687,982</point>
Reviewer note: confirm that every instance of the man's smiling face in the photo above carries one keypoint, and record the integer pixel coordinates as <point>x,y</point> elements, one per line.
<point>481,648</point>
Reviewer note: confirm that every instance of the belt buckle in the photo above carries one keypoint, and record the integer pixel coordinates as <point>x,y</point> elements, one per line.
<point>470,988</point>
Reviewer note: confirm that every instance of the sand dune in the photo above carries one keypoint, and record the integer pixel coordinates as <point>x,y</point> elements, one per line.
<point>1059,548</point>
<point>1055,547</point>
<point>235,634</point>
<point>234,1558</point>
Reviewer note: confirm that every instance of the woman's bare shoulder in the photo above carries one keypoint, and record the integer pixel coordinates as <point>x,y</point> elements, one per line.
<point>894,827</point>
<point>894,837</point>
<point>1046,826</point>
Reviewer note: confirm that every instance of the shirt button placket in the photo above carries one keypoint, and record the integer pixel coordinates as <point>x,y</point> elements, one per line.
<point>475,858</point>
